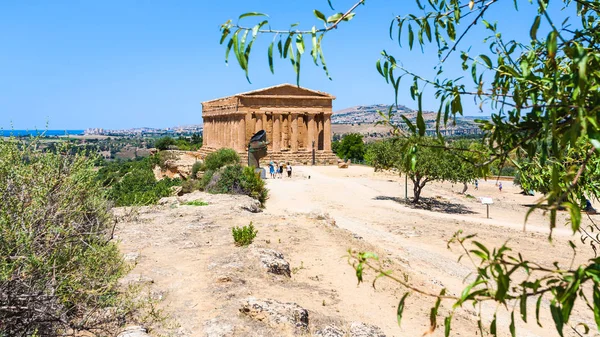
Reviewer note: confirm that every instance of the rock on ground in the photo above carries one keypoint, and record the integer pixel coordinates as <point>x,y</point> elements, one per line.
<point>359,329</point>
<point>133,331</point>
<point>273,261</point>
<point>330,331</point>
<point>276,314</point>
<point>218,328</point>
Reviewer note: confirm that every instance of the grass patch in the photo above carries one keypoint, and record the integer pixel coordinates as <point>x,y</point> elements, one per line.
<point>195,203</point>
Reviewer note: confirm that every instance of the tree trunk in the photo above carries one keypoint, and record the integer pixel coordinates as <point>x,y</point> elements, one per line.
<point>465,188</point>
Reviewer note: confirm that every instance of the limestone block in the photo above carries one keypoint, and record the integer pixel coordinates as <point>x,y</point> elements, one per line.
<point>277,315</point>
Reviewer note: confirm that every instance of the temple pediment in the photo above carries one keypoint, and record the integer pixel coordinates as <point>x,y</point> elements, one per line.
<point>287,90</point>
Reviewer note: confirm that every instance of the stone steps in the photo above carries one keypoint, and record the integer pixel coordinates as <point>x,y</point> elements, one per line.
<point>295,158</point>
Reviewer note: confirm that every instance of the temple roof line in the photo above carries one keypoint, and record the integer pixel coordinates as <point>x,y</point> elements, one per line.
<point>257,93</point>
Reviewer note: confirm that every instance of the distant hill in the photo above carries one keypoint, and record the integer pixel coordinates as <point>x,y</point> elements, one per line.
<point>368,114</point>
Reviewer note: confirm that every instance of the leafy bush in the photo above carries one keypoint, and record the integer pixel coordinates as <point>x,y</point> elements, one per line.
<point>197,167</point>
<point>221,158</point>
<point>351,147</point>
<point>236,179</point>
<point>58,264</point>
<point>133,183</point>
<point>164,143</point>
<point>191,185</point>
<point>243,236</point>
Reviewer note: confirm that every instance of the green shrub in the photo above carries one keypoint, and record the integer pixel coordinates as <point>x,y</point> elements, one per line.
<point>243,236</point>
<point>197,167</point>
<point>191,185</point>
<point>164,143</point>
<point>235,179</point>
<point>58,262</point>
<point>221,158</point>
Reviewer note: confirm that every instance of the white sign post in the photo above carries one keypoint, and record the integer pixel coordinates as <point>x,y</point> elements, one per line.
<point>487,202</point>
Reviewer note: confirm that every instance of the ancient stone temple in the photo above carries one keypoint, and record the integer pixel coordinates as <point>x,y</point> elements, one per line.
<point>296,120</point>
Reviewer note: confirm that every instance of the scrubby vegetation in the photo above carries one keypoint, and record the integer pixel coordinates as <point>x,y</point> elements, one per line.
<point>243,236</point>
<point>58,264</point>
<point>181,143</point>
<point>133,182</point>
<point>224,174</point>
<point>195,203</point>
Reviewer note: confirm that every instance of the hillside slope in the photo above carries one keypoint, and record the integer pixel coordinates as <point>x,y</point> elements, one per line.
<point>369,114</point>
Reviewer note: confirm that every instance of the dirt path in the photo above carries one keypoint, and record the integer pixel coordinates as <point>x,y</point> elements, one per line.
<point>366,204</point>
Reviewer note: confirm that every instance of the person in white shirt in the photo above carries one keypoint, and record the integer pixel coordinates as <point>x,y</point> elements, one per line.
<point>289,170</point>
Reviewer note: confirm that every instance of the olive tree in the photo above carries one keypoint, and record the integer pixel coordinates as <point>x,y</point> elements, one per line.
<point>543,93</point>
<point>423,162</point>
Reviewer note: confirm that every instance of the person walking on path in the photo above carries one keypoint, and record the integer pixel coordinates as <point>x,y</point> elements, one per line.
<point>280,170</point>
<point>272,170</point>
<point>500,186</point>
<point>289,170</point>
<point>476,184</point>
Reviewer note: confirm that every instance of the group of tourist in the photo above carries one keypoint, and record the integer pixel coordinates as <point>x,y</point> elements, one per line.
<point>276,169</point>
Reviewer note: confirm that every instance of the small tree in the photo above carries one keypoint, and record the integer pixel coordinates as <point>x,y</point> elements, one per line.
<point>351,147</point>
<point>163,143</point>
<point>424,160</point>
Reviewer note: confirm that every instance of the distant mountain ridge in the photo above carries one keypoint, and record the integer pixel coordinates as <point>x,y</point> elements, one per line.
<point>368,114</point>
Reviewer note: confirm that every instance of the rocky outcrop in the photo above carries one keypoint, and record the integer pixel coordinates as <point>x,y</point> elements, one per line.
<point>273,261</point>
<point>176,164</point>
<point>359,329</point>
<point>275,314</point>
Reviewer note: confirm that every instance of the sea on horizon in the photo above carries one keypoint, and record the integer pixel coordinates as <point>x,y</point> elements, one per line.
<point>46,133</point>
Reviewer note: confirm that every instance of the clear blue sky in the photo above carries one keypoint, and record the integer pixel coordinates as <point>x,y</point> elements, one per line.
<point>122,64</point>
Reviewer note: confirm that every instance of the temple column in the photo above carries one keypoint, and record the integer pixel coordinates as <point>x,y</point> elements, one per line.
<point>241,130</point>
<point>319,136</point>
<point>250,125</point>
<point>217,123</point>
<point>285,131</point>
<point>268,125</point>
<point>276,132</point>
<point>310,135</point>
<point>327,133</point>
<point>294,141</point>
<point>259,122</point>
<point>232,139</point>
<point>225,132</point>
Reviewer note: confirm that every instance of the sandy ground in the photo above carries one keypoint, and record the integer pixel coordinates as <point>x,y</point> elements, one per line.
<point>313,219</point>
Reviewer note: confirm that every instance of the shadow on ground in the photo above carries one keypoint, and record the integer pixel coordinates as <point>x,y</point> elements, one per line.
<point>430,204</point>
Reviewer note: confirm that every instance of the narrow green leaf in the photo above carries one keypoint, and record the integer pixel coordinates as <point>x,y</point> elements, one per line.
<point>487,60</point>
<point>551,44</point>
<point>534,28</point>
<point>523,306</point>
<point>320,16</point>
<point>558,318</point>
<point>420,121</point>
<point>493,326</point>
<point>409,124</point>
<point>447,322</point>
<point>400,309</point>
<point>511,327</point>
<point>245,15</point>
<point>334,18</point>
<point>270,56</point>
<point>596,297</point>
<point>411,36</point>
<point>300,43</point>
